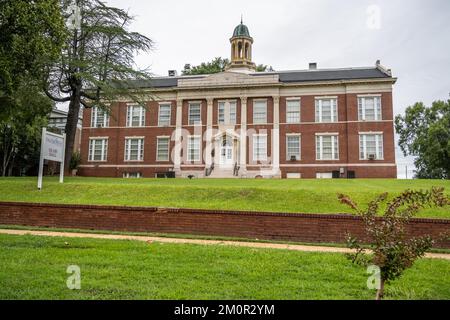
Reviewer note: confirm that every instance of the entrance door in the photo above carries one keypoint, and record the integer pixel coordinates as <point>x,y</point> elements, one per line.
<point>226,152</point>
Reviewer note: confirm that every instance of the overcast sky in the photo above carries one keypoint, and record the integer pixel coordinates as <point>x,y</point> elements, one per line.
<point>410,37</point>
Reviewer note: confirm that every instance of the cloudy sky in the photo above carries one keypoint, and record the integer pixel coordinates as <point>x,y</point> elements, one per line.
<point>410,37</point>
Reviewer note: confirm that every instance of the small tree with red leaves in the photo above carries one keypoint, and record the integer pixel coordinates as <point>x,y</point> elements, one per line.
<point>389,247</point>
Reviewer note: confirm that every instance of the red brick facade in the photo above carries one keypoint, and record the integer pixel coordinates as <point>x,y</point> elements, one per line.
<point>347,127</point>
<point>313,228</point>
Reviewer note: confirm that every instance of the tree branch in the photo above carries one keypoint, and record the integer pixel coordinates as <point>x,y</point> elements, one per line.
<point>57,99</point>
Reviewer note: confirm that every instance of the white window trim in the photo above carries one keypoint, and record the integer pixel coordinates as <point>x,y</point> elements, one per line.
<point>159,114</point>
<point>362,116</point>
<point>188,148</point>
<point>368,95</point>
<point>189,113</point>
<point>129,123</point>
<point>94,115</point>
<point>293,98</point>
<point>370,132</point>
<point>299,145</point>
<point>325,97</point>
<point>299,109</point>
<point>319,105</point>
<point>140,149</point>
<point>376,145</point>
<point>157,148</point>
<point>126,175</point>
<point>225,111</point>
<point>320,155</point>
<point>104,146</point>
<point>254,158</point>
<point>327,134</point>
<point>253,109</point>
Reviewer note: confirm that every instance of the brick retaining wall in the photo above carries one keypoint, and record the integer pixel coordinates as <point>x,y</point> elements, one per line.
<point>255,225</point>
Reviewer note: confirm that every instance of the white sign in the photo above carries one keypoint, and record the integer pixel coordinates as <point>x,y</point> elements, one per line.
<point>52,148</point>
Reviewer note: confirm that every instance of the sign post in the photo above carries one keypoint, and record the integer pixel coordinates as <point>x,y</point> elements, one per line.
<point>52,148</point>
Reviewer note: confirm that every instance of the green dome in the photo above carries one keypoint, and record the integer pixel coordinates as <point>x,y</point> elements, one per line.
<point>241,31</point>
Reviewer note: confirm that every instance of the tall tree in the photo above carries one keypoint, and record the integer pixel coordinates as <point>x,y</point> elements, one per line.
<point>425,133</point>
<point>97,63</point>
<point>215,66</point>
<point>20,129</point>
<point>31,35</point>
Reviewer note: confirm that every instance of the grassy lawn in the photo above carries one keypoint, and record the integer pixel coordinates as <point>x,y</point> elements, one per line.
<point>34,267</point>
<point>309,196</point>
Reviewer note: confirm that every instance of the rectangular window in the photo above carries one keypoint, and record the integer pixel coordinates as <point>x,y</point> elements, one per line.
<point>135,116</point>
<point>195,113</point>
<point>221,112</point>
<point>369,108</point>
<point>194,148</point>
<point>232,106</point>
<point>134,149</point>
<point>259,147</point>
<point>293,111</point>
<point>370,146</point>
<point>162,148</point>
<point>327,147</point>
<point>99,118</point>
<point>293,147</point>
<point>326,110</point>
<point>132,175</point>
<point>98,149</point>
<point>164,115</point>
<point>260,111</point>
<point>227,112</point>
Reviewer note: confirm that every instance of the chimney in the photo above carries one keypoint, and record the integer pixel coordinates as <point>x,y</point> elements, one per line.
<point>172,73</point>
<point>312,66</point>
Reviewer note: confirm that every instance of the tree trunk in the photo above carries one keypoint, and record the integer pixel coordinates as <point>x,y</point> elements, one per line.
<point>71,126</point>
<point>380,292</point>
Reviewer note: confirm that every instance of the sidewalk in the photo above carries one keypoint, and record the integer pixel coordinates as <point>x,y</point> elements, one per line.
<point>305,248</point>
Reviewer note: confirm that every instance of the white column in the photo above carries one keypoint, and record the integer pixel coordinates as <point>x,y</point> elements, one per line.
<point>177,151</point>
<point>243,138</point>
<point>209,129</point>
<point>276,137</point>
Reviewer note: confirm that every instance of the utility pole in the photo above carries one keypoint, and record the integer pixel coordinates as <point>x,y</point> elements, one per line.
<point>406,166</point>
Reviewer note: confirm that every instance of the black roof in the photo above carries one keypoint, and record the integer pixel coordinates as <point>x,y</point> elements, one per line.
<point>285,77</point>
<point>336,74</point>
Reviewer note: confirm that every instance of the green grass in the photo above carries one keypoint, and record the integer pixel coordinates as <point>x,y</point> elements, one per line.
<point>308,196</point>
<point>34,267</point>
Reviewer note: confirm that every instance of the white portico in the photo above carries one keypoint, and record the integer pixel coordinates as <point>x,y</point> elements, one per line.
<point>226,132</point>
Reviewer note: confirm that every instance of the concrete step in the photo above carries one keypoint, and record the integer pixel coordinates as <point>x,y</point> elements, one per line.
<point>222,173</point>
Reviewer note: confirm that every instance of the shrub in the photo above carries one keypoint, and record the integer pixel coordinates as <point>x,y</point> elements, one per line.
<point>391,249</point>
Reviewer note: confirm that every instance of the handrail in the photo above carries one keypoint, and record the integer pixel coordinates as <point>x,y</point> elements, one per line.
<point>236,169</point>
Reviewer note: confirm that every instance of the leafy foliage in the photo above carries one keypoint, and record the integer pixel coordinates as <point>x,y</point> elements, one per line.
<point>97,63</point>
<point>31,35</point>
<point>217,65</point>
<point>392,250</point>
<point>75,160</point>
<point>20,130</point>
<point>425,133</point>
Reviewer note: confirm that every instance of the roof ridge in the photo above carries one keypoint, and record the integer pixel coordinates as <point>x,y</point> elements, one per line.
<point>315,70</point>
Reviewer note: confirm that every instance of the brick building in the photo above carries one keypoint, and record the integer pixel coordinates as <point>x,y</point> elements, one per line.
<point>315,123</point>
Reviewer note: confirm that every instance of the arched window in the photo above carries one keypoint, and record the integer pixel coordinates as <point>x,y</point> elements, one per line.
<point>227,141</point>
<point>246,52</point>
<point>240,49</point>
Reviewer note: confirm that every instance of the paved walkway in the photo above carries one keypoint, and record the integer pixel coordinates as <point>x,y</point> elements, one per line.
<point>264,245</point>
